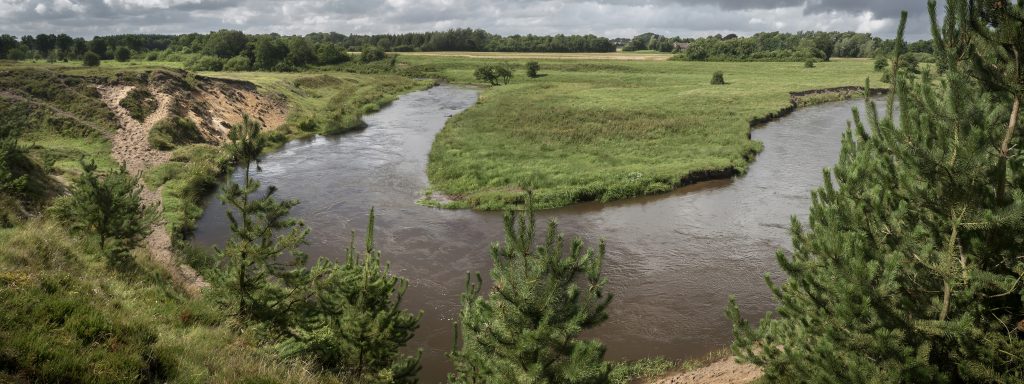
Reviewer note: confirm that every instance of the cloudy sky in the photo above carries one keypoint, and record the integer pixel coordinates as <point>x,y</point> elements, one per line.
<point>611,18</point>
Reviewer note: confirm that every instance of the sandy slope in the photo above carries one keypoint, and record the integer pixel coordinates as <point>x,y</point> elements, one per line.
<point>131,147</point>
<point>725,371</point>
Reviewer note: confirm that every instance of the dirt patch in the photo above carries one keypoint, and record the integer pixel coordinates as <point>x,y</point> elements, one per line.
<point>725,371</point>
<point>210,103</point>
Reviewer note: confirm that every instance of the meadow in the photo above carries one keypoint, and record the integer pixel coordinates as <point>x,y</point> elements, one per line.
<point>607,129</point>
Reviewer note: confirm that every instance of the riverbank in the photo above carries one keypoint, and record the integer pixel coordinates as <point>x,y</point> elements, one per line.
<point>606,130</point>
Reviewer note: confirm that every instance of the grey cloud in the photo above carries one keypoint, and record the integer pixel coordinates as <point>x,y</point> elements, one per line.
<point>613,18</point>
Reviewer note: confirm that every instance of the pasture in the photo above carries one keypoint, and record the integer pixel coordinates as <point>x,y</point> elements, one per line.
<point>604,130</point>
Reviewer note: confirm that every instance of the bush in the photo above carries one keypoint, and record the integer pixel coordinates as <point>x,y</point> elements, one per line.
<point>152,56</point>
<point>718,78</point>
<point>532,68</point>
<point>172,132</point>
<point>238,64</point>
<point>809,64</point>
<point>204,63</point>
<point>493,74</point>
<point>881,63</point>
<point>371,53</point>
<point>91,59</point>
<point>139,103</point>
<point>122,54</point>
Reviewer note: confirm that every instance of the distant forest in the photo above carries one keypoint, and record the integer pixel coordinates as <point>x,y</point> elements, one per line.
<point>235,50</point>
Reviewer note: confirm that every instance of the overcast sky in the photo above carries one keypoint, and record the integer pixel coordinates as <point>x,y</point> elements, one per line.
<point>611,18</point>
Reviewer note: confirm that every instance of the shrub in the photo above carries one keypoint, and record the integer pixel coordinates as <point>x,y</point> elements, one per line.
<point>91,59</point>
<point>532,68</point>
<point>204,63</point>
<point>172,132</point>
<point>139,103</point>
<point>881,63</point>
<point>238,64</point>
<point>371,53</point>
<point>493,74</point>
<point>809,64</point>
<point>718,78</point>
<point>152,56</point>
<point>122,54</point>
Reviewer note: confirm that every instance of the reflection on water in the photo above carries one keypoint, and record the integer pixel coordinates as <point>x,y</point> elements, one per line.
<point>672,261</point>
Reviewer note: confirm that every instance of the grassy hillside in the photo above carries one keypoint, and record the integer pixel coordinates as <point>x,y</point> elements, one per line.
<point>68,318</point>
<point>606,130</point>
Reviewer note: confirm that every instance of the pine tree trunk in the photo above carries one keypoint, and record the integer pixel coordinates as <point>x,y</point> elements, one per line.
<point>1004,149</point>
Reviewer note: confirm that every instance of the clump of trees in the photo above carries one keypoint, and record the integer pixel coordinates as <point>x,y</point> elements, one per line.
<point>910,268</point>
<point>801,46</point>
<point>122,54</point>
<point>528,326</point>
<point>652,42</point>
<point>494,74</point>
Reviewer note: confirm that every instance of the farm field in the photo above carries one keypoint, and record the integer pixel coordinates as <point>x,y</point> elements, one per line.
<point>606,130</point>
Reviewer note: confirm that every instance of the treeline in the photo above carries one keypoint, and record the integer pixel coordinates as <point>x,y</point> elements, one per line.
<point>777,46</point>
<point>229,43</point>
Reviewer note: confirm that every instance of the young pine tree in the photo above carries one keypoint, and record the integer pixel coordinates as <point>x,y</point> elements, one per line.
<point>910,269</point>
<point>526,330</point>
<point>358,327</point>
<point>109,207</point>
<point>263,271</point>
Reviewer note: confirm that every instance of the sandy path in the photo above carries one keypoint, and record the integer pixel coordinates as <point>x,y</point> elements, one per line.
<point>130,146</point>
<point>725,371</point>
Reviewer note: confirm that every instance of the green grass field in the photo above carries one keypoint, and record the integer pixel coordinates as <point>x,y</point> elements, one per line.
<point>606,130</point>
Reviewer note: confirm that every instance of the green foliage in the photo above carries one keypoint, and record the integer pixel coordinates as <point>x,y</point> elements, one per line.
<point>718,78</point>
<point>139,103</point>
<point>809,64</point>
<point>494,74</point>
<point>881,63</point>
<point>225,43</point>
<point>122,54</point>
<point>371,53</point>
<point>909,268</point>
<point>237,64</point>
<point>91,59</point>
<point>53,328</point>
<point>629,371</point>
<point>186,179</point>
<point>262,269</point>
<point>173,132</point>
<point>109,208</point>
<point>777,46</point>
<point>532,68</point>
<point>358,326</point>
<point>527,329</point>
<point>204,63</point>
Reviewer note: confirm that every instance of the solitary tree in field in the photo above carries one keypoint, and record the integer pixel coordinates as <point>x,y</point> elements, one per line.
<point>358,327</point>
<point>122,54</point>
<point>718,78</point>
<point>109,207</point>
<point>527,328</point>
<point>532,68</point>
<point>911,267</point>
<point>91,59</point>
<point>263,271</point>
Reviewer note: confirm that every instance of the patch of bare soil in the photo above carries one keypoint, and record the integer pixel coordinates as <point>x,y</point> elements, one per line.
<point>725,371</point>
<point>213,105</point>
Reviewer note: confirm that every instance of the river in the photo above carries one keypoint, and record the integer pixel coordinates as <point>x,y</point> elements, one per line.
<point>672,260</point>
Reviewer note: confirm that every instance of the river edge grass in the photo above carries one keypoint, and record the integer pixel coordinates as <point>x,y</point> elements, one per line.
<point>486,171</point>
<point>603,131</point>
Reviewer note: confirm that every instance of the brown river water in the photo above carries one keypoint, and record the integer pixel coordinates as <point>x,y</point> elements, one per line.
<point>672,260</point>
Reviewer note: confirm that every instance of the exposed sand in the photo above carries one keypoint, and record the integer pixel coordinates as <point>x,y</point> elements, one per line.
<point>213,105</point>
<point>725,371</point>
<point>130,147</point>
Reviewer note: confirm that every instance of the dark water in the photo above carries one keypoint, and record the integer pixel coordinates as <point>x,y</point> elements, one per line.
<point>672,259</point>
